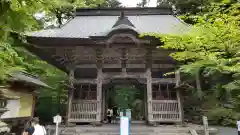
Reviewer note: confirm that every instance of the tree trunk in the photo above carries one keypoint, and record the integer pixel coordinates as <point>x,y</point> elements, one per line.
<point>198,84</point>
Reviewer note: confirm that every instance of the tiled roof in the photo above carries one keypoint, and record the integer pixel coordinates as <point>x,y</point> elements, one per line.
<point>23,76</point>
<point>85,26</point>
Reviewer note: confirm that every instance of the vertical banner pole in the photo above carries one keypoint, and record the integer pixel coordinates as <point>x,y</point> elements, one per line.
<point>205,124</point>
<point>124,125</point>
<point>57,128</point>
<point>57,119</point>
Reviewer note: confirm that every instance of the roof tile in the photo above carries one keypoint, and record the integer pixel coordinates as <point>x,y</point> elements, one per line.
<point>86,26</point>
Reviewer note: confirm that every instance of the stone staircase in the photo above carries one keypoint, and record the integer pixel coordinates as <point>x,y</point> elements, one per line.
<point>114,130</point>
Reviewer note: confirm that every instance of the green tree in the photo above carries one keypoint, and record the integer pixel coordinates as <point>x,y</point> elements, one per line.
<point>210,53</point>
<point>191,6</point>
<point>18,17</point>
<point>111,4</point>
<point>143,3</point>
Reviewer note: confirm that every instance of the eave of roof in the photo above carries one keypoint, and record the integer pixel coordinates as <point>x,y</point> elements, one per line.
<point>26,77</point>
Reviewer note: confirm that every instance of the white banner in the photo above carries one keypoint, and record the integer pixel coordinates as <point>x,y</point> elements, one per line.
<point>124,125</point>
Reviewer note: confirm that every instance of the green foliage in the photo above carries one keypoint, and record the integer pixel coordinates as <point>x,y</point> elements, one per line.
<point>111,4</point>
<point>63,10</point>
<point>192,6</point>
<point>212,48</point>
<point>124,97</point>
<point>222,116</point>
<point>143,3</point>
<point>17,17</point>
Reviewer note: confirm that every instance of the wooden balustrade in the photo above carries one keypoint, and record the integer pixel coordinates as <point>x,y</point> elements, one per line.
<point>165,111</point>
<point>84,111</point>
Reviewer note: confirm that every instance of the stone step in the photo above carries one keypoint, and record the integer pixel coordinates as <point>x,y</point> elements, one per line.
<point>135,129</point>
<point>119,134</point>
<point>116,132</point>
<point>66,132</point>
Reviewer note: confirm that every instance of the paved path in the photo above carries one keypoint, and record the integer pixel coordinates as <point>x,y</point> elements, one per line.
<point>226,130</point>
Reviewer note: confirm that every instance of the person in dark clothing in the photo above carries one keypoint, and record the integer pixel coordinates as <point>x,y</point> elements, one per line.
<point>109,115</point>
<point>28,130</point>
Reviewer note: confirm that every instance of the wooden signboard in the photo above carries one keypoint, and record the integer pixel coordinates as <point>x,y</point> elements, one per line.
<point>20,108</point>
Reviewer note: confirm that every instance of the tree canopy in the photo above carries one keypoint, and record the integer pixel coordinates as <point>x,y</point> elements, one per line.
<point>191,6</point>
<point>210,53</point>
<point>20,16</point>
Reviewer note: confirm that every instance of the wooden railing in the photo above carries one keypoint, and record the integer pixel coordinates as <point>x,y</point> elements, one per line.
<point>83,111</point>
<point>165,111</point>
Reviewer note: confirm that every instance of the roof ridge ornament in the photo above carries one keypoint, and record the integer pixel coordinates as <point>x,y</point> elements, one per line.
<point>122,15</point>
<point>123,20</point>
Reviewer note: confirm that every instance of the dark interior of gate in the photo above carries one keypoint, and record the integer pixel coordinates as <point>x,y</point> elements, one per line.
<point>110,49</point>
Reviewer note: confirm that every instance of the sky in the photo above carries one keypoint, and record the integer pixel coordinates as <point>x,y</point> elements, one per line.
<point>133,3</point>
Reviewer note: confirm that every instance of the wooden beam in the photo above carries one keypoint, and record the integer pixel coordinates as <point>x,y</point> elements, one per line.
<point>125,38</point>
<point>86,66</point>
<point>141,80</point>
<point>111,66</point>
<point>113,75</point>
<point>163,80</point>
<point>85,81</point>
<point>128,65</point>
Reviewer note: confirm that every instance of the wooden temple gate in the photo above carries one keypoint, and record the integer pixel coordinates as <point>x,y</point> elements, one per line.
<point>86,102</point>
<point>93,55</point>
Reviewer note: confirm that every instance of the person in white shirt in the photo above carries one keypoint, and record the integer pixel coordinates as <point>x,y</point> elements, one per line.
<point>238,127</point>
<point>38,129</point>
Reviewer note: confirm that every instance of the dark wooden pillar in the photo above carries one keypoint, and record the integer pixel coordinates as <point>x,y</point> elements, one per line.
<point>99,94</point>
<point>70,94</point>
<point>99,85</point>
<point>149,84</point>
<point>180,108</point>
<point>103,103</point>
<point>149,94</point>
<point>177,77</point>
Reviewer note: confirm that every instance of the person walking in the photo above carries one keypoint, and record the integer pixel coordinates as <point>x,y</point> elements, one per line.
<point>38,129</point>
<point>109,115</point>
<point>238,127</point>
<point>28,129</point>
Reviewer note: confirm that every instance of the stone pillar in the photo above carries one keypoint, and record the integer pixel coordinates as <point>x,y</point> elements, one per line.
<point>99,94</point>
<point>70,94</point>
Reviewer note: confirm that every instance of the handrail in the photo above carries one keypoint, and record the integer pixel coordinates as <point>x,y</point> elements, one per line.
<point>193,132</point>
